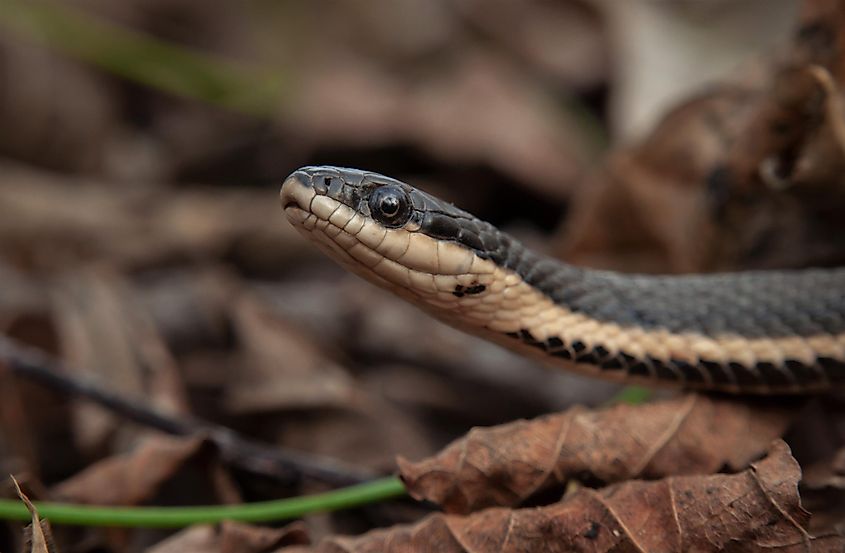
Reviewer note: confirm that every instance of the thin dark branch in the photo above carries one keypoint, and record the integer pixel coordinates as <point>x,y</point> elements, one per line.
<point>255,457</point>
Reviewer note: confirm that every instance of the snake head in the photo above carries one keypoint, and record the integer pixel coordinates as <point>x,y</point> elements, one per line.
<point>390,232</point>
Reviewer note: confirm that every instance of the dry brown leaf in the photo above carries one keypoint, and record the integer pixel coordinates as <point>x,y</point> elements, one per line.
<point>647,209</point>
<point>745,176</point>
<point>106,335</point>
<point>283,368</point>
<point>40,535</point>
<point>756,510</point>
<point>506,464</point>
<point>134,478</point>
<point>233,537</point>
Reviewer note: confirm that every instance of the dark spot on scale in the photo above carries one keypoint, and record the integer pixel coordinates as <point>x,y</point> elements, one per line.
<point>627,358</point>
<point>526,335</point>
<point>512,334</point>
<point>601,353</point>
<point>689,371</point>
<point>612,364</point>
<point>639,368</point>
<point>554,342</point>
<point>772,375</point>
<point>475,289</point>
<point>461,291</point>
<point>587,357</point>
<point>717,372</point>
<point>802,372</point>
<point>743,374</point>
<point>563,354</point>
<point>528,338</point>
<point>664,370</point>
<point>578,346</point>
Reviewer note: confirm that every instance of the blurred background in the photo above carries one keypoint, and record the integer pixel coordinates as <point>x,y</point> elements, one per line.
<point>142,145</point>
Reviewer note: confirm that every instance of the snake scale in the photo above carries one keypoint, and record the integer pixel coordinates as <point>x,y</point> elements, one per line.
<point>761,332</point>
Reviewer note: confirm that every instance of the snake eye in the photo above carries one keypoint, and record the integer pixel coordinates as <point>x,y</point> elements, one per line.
<point>389,206</point>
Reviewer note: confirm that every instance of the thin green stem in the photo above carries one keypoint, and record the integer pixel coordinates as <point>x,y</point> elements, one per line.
<point>175,517</point>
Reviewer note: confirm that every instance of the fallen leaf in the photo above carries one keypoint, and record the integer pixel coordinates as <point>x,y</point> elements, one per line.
<point>40,535</point>
<point>746,175</point>
<point>105,334</point>
<point>756,510</point>
<point>133,478</point>
<point>283,368</point>
<point>504,465</point>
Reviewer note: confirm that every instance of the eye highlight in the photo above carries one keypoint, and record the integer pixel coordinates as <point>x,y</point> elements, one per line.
<point>390,206</point>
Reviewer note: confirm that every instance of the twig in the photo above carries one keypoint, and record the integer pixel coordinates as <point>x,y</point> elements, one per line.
<point>257,458</point>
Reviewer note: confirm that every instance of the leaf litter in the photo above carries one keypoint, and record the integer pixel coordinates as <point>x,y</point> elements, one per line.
<point>505,465</point>
<point>153,262</point>
<point>757,509</point>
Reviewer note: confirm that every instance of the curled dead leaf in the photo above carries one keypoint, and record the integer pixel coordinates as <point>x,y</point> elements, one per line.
<point>506,464</point>
<point>756,510</point>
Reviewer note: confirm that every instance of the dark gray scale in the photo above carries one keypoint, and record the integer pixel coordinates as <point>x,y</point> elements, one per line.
<point>440,226</point>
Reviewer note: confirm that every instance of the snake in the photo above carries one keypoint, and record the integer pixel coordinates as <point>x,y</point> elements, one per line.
<point>745,332</point>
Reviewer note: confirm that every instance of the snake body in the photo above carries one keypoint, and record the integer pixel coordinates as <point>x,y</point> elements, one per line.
<point>748,332</point>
